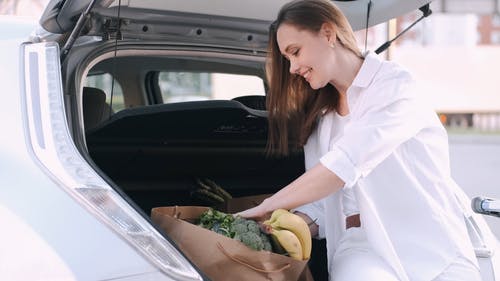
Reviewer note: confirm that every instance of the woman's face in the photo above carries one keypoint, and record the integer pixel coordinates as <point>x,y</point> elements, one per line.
<point>310,54</point>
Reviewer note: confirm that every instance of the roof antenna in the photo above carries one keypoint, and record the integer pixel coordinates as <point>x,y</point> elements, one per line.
<point>118,34</point>
<point>426,12</point>
<point>367,20</point>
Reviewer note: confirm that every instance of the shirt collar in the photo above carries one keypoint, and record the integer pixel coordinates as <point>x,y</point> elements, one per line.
<point>368,69</point>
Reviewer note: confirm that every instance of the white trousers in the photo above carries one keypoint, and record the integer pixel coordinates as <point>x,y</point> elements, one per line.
<point>460,269</point>
<point>355,260</point>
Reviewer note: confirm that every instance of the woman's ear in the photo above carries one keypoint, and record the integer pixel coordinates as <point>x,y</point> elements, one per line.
<point>329,31</point>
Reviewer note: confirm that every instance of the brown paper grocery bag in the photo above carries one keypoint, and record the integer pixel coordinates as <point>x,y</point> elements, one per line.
<point>222,258</point>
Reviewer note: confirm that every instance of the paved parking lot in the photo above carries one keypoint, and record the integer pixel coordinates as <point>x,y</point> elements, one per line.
<point>475,164</point>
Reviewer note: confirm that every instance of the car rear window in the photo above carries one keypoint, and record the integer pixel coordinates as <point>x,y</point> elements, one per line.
<point>195,86</point>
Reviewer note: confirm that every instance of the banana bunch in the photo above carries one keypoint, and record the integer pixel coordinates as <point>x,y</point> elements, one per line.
<point>291,232</point>
<point>210,192</point>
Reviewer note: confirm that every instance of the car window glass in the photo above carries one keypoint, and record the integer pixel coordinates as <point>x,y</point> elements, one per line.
<point>104,81</point>
<point>192,86</point>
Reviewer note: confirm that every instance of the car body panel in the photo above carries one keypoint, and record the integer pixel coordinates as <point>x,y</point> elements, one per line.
<point>47,235</point>
<point>61,18</point>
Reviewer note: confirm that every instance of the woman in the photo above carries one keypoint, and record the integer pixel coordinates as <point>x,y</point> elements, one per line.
<point>378,180</point>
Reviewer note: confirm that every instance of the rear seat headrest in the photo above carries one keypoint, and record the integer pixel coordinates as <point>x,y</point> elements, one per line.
<point>95,108</point>
<point>253,101</point>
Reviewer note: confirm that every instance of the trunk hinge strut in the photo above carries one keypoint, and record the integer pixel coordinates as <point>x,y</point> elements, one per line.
<point>426,12</point>
<point>76,31</point>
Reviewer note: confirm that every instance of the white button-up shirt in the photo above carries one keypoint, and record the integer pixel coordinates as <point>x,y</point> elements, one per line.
<point>393,154</point>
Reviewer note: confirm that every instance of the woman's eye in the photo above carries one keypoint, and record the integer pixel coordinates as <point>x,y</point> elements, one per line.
<point>295,52</point>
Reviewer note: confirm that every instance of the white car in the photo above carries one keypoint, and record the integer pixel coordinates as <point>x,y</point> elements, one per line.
<point>115,109</point>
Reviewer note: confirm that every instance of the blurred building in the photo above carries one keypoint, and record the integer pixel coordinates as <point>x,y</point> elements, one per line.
<point>454,55</point>
<point>489,29</point>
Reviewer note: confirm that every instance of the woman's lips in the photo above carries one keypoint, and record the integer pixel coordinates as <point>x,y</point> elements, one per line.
<point>307,74</point>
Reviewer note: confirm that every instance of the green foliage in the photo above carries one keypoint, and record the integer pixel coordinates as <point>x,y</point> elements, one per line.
<point>217,221</point>
<point>244,230</point>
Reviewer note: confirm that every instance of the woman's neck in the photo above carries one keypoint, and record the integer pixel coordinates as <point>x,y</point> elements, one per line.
<point>342,107</point>
<point>349,65</point>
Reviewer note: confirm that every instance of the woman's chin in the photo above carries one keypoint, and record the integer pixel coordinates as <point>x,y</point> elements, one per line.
<point>315,86</point>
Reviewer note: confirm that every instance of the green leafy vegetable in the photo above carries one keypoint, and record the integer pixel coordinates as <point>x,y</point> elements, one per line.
<point>244,230</point>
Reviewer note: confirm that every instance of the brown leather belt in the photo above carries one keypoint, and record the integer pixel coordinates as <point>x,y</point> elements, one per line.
<point>352,221</point>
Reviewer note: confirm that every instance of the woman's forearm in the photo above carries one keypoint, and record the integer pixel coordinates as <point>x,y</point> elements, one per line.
<point>316,183</point>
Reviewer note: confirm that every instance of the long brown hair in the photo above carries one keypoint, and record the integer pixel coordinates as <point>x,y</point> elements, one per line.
<point>294,107</point>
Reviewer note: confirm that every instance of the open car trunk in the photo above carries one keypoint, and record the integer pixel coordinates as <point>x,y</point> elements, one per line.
<point>155,153</point>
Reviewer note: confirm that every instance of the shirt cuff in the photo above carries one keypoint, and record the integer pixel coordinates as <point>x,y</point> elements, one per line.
<point>316,215</point>
<point>337,161</point>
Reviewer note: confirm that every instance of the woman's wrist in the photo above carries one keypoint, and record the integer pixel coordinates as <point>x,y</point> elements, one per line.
<point>265,206</point>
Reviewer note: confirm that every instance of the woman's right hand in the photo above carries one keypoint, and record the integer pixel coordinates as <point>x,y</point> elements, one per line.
<point>257,213</point>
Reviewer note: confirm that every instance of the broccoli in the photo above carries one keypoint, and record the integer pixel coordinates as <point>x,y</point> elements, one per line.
<point>244,230</point>
<point>217,221</point>
<point>253,226</point>
<point>266,242</point>
<point>252,240</point>
<point>248,232</point>
<point>238,228</point>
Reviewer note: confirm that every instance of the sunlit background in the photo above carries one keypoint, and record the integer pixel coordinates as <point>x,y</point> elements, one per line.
<point>454,54</point>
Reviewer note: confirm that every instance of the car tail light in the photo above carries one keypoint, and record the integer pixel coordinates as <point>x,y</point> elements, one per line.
<point>49,139</point>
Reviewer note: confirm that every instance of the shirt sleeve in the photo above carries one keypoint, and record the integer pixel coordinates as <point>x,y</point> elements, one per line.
<point>315,211</point>
<point>388,114</point>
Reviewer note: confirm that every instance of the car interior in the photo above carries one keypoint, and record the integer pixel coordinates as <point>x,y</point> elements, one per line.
<point>154,150</point>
